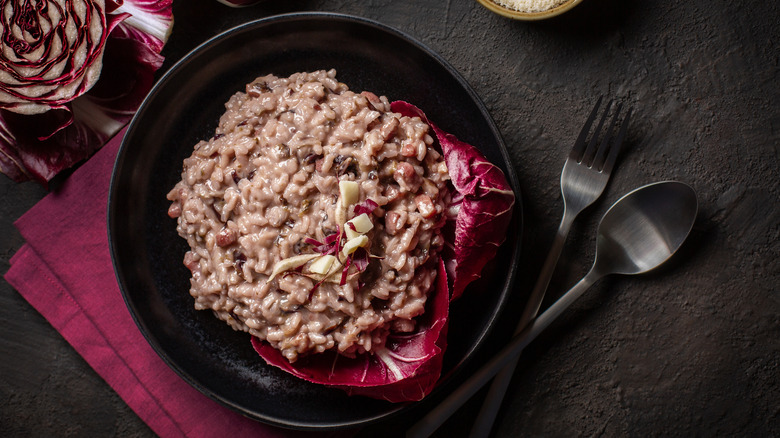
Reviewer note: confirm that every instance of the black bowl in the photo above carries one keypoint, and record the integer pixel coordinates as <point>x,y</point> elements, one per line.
<point>183,108</point>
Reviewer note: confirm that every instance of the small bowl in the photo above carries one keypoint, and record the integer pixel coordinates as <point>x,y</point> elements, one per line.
<point>529,16</point>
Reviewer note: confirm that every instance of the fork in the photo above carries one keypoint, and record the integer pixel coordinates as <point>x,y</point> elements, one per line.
<point>583,179</point>
<point>585,175</point>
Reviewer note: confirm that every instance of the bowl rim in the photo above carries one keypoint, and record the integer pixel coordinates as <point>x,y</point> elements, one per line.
<point>529,16</point>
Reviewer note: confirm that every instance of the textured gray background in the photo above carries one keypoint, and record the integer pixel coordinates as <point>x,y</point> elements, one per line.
<point>690,350</point>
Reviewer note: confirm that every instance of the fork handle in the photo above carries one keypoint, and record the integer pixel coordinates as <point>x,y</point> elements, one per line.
<point>495,396</point>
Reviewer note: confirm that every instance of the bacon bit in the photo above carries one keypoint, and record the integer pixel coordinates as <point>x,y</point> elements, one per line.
<point>425,206</point>
<point>373,98</point>
<point>404,173</point>
<point>174,210</point>
<point>226,237</point>
<point>190,262</point>
<point>391,192</point>
<point>409,149</point>
<point>388,128</point>
<point>394,221</point>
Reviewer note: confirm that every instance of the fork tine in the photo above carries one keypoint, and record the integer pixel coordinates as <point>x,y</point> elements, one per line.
<point>579,144</point>
<point>587,157</point>
<point>613,153</point>
<point>598,160</point>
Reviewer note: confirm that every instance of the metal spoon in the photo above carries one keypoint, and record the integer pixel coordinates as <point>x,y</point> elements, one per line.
<point>638,233</point>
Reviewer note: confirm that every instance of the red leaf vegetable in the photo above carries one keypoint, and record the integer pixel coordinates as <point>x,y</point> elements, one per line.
<point>405,369</point>
<point>72,73</point>
<point>483,202</point>
<point>409,365</point>
<point>368,206</point>
<point>360,259</point>
<point>345,271</point>
<point>330,246</point>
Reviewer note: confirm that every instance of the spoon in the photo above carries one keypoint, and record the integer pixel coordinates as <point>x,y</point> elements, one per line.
<point>638,233</point>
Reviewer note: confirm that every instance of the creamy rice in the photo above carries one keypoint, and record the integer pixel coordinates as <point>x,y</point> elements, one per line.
<point>255,197</point>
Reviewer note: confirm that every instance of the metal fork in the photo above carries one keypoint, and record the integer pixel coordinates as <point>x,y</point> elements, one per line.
<point>584,177</point>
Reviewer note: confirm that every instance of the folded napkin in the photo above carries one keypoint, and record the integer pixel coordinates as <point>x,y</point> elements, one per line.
<point>65,272</point>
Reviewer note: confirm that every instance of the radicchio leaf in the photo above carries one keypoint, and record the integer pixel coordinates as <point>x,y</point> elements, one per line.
<point>48,121</point>
<point>52,52</point>
<point>405,369</point>
<point>345,271</point>
<point>360,259</point>
<point>368,206</point>
<point>150,22</point>
<point>330,246</point>
<point>483,202</point>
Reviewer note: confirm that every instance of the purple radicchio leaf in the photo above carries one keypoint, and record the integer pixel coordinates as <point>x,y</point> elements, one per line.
<point>150,22</point>
<point>40,138</point>
<point>360,258</point>
<point>345,271</point>
<point>483,202</point>
<point>330,246</point>
<point>368,206</point>
<point>405,369</point>
<point>51,51</point>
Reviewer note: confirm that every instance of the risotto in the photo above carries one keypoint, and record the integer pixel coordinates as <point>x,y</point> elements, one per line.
<point>313,216</point>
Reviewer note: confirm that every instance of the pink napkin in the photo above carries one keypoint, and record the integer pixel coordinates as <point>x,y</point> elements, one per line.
<point>65,272</point>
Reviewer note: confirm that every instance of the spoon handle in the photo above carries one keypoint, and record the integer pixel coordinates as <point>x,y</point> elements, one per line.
<point>495,396</point>
<point>428,424</point>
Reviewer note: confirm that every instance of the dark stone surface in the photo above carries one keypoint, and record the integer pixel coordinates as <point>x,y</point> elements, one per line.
<point>689,350</point>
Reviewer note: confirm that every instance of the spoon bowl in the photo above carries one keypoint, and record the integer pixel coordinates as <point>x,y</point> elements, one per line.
<point>644,228</point>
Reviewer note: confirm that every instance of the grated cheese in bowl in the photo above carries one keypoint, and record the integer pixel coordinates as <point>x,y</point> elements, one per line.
<point>530,5</point>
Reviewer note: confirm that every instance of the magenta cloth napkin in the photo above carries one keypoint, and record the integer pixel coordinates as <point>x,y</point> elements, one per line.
<point>65,272</point>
